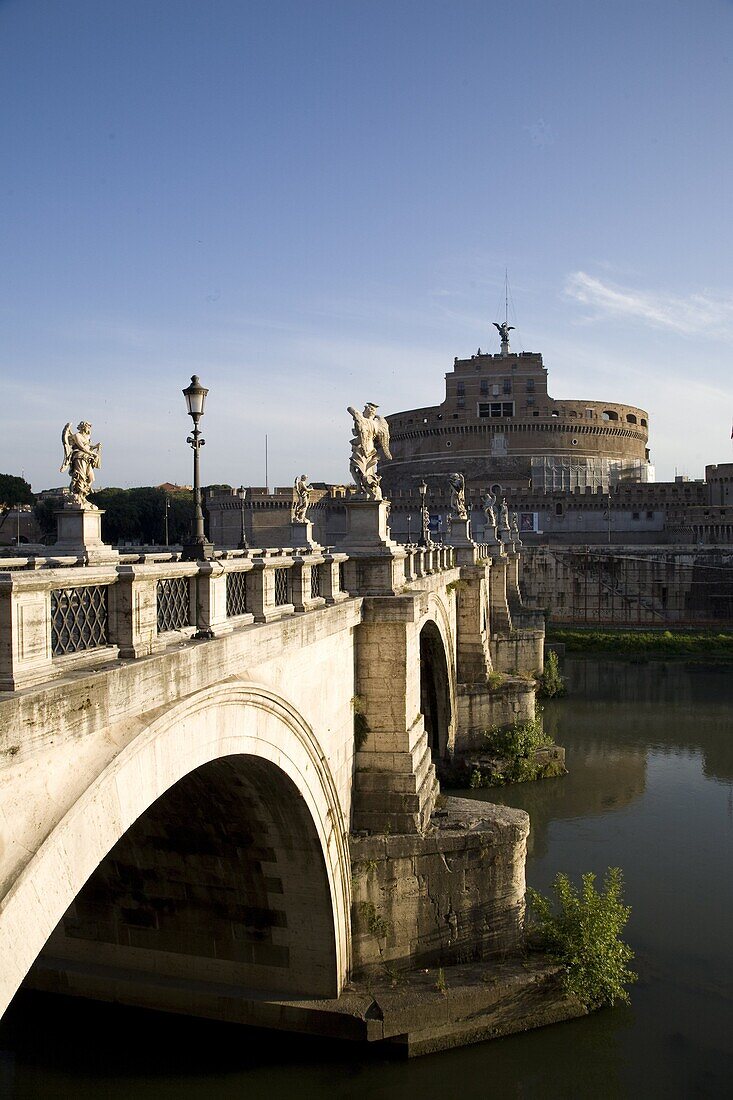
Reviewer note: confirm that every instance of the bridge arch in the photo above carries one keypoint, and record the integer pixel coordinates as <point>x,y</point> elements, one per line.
<point>438,677</point>
<point>239,737</point>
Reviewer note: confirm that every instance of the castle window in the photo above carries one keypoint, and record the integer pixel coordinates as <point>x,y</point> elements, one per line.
<point>630,418</point>
<point>589,414</point>
<point>461,402</point>
<point>507,385</point>
<point>495,390</point>
<point>609,414</point>
<point>635,515</point>
<point>530,400</point>
<point>555,412</point>
<point>643,422</point>
<point>650,515</point>
<point>461,389</point>
<point>484,387</point>
<point>573,415</point>
<point>530,385</point>
<point>558,508</point>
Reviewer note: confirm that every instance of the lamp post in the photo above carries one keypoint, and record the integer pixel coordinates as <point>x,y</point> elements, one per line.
<point>424,539</point>
<point>409,527</point>
<point>166,510</point>
<point>197,548</point>
<point>243,534</point>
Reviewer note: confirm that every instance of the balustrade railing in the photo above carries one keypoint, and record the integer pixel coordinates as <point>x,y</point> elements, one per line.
<point>143,601</point>
<point>173,599</point>
<point>236,586</point>
<point>79,619</point>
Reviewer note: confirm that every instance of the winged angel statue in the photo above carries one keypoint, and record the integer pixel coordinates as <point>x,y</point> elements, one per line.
<point>371,433</point>
<point>81,459</point>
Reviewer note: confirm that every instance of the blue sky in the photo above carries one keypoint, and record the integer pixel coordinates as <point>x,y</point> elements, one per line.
<point>312,204</point>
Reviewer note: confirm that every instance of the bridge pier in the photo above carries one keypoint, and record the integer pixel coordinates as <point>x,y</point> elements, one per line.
<point>395,786</point>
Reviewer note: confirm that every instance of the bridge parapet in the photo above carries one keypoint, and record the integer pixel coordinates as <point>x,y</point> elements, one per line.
<point>58,615</point>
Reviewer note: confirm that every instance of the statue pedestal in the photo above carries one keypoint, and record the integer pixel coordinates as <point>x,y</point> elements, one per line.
<point>367,529</point>
<point>301,534</point>
<point>490,536</point>
<point>505,535</point>
<point>460,532</point>
<point>461,541</point>
<point>79,532</point>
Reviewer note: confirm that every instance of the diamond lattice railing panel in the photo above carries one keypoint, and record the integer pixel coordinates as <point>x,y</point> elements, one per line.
<point>315,582</point>
<point>174,604</point>
<point>78,619</point>
<point>236,594</point>
<point>282,587</point>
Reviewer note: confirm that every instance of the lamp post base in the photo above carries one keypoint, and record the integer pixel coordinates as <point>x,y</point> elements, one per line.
<point>198,550</point>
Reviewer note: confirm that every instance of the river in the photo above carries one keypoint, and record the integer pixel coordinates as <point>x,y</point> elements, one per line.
<point>650,789</point>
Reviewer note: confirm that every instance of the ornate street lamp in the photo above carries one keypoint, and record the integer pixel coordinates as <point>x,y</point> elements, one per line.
<point>197,548</point>
<point>424,539</point>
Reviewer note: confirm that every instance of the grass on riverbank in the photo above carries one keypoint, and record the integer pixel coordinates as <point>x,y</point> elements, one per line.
<point>646,643</point>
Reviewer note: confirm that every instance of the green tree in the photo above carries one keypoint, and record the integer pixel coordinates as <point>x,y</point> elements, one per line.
<point>44,511</point>
<point>15,490</point>
<point>583,929</point>
<point>138,515</point>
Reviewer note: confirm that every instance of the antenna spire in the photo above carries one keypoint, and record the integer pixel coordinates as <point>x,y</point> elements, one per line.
<point>505,328</point>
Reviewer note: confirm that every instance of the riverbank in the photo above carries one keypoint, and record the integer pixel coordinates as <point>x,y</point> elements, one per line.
<point>622,642</point>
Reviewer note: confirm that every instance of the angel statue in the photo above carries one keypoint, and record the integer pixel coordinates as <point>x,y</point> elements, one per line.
<point>515,525</point>
<point>301,498</point>
<point>369,433</point>
<point>488,503</point>
<point>504,515</point>
<point>457,484</point>
<point>504,330</point>
<point>81,459</point>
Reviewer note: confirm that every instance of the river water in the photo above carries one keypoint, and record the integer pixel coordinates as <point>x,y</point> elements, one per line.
<point>650,789</point>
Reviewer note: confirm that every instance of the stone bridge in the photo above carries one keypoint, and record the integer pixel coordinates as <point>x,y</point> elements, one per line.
<point>244,825</point>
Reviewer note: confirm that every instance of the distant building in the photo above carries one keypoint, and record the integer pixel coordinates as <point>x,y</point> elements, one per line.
<point>498,424</point>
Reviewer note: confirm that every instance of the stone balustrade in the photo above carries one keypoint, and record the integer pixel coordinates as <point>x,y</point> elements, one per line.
<point>57,614</point>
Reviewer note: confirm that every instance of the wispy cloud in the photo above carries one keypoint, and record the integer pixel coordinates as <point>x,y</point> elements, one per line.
<point>694,315</point>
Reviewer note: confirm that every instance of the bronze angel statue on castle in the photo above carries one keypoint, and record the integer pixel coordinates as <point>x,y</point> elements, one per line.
<point>81,459</point>
<point>371,432</point>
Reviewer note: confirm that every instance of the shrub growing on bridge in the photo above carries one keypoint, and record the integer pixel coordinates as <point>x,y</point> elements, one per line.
<point>551,682</point>
<point>583,930</point>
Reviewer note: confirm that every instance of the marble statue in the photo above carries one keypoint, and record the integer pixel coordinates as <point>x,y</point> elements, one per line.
<point>488,503</point>
<point>515,525</point>
<point>504,515</point>
<point>457,484</point>
<point>425,526</point>
<point>81,459</point>
<point>370,434</point>
<point>301,498</point>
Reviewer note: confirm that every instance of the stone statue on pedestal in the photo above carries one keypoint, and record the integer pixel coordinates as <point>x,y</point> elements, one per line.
<point>514,527</point>
<point>488,503</point>
<point>504,516</point>
<point>457,484</point>
<point>370,432</point>
<point>301,498</point>
<point>81,459</point>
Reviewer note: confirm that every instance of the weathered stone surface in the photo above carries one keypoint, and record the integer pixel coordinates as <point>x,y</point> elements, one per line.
<point>456,893</point>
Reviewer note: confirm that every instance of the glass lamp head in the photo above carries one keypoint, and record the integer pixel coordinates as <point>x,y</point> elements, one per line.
<point>195,395</point>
